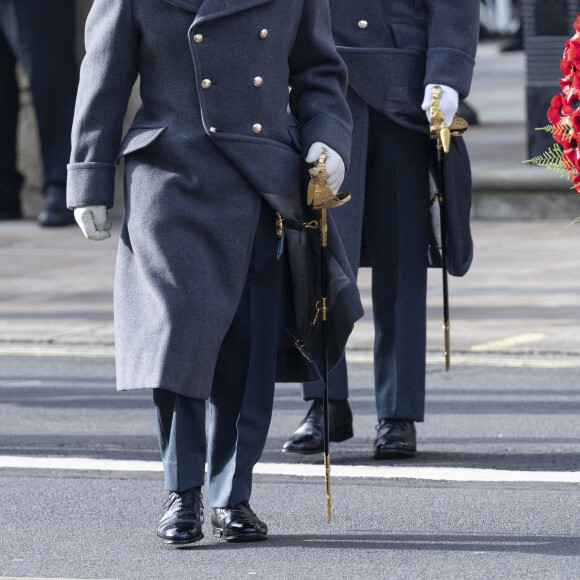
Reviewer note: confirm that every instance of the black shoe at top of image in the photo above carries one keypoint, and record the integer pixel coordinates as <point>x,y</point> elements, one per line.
<point>181,524</point>
<point>238,524</point>
<point>396,439</point>
<point>309,437</point>
<point>55,212</point>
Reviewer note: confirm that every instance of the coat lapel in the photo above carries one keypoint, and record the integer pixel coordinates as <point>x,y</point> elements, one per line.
<point>212,9</point>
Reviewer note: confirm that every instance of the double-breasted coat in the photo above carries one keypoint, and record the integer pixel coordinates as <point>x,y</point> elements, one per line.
<point>217,130</point>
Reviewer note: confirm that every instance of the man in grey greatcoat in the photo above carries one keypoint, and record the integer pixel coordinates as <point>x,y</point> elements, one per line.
<point>199,279</point>
<point>395,52</point>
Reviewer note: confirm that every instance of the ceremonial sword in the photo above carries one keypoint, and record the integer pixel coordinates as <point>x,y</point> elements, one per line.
<point>442,134</point>
<point>321,198</point>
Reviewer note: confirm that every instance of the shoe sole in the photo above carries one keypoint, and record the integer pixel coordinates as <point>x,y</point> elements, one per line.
<point>218,533</point>
<point>394,454</point>
<point>338,438</point>
<point>182,544</point>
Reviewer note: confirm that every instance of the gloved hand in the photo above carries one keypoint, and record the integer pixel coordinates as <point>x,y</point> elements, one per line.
<point>93,221</point>
<point>334,164</point>
<point>448,103</point>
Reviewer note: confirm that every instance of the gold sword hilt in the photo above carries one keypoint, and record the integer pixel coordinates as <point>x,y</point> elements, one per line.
<point>320,195</point>
<point>439,129</point>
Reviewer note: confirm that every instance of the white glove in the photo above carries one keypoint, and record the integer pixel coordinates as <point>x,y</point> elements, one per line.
<point>448,103</point>
<point>334,164</point>
<point>93,221</point>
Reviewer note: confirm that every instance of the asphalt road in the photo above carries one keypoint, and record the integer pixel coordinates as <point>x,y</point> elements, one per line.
<point>69,523</point>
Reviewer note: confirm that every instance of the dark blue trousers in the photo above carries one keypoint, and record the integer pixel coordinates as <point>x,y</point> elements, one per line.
<point>40,35</point>
<point>240,405</point>
<point>395,226</point>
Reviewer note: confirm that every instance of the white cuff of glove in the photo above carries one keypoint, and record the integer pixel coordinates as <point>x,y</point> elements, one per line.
<point>448,103</point>
<point>93,221</point>
<point>334,164</point>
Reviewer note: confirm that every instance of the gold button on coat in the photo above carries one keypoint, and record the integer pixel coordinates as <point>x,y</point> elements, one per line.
<point>205,84</point>
<point>263,33</point>
<point>197,38</point>
<point>363,24</point>
<point>258,81</point>
<point>257,128</point>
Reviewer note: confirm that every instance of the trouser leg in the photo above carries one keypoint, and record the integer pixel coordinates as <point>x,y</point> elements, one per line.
<point>46,36</point>
<point>396,229</point>
<point>10,179</point>
<point>181,432</point>
<point>337,385</point>
<point>243,388</point>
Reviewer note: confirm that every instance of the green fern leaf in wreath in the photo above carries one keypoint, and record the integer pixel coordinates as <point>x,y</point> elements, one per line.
<point>546,128</point>
<point>550,159</point>
<point>562,130</point>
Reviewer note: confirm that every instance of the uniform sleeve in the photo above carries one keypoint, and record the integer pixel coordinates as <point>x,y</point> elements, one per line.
<point>108,73</point>
<point>318,81</point>
<point>453,35</point>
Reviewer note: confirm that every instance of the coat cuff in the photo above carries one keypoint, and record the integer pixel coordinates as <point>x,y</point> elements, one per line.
<point>328,131</point>
<point>90,183</point>
<point>447,66</point>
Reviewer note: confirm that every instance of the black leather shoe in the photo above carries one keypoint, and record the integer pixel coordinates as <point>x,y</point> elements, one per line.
<point>55,212</point>
<point>238,524</point>
<point>181,524</point>
<point>396,439</point>
<point>309,437</point>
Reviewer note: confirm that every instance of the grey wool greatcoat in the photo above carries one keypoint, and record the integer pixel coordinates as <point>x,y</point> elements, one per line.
<point>393,49</point>
<point>213,134</point>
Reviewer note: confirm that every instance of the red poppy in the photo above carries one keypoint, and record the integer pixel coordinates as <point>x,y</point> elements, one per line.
<point>573,46</point>
<point>566,65</point>
<point>565,84</point>
<point>554,112</point>
<point>577,23</point>
<point>564,132</point>
<point>571,158</point>
<point>575,177</point>
<point>571,103</point>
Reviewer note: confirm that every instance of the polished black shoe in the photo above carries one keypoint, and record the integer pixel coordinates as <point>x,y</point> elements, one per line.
<point>181,523</point>
<point>396,439</point>
<point>309,437</point>
<point>55,212</point>
<point>238,524</point>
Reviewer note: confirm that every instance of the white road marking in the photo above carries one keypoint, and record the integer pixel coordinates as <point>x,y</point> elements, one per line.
<point>508,342</point>
<point>305,470</point>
